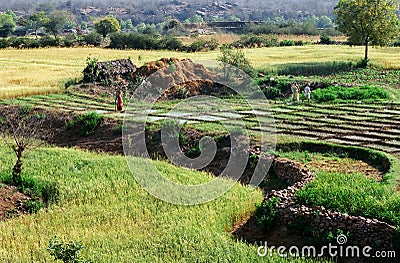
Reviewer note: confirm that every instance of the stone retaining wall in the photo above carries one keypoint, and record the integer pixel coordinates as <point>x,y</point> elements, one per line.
<point>363,231</point>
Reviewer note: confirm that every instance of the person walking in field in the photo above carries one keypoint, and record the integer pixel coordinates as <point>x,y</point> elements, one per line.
<point>295,92</point>
<point>119,103</point>
<point>307,91</point>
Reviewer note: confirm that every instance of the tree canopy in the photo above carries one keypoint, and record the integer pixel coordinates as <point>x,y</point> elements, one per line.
<point>368,21</point>
<point>107,25</point>
<point>56,22</point>
<point>7,25</point>
<point>36,21</point>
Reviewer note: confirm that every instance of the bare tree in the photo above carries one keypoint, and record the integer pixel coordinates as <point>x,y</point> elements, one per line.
<point>22,129</point>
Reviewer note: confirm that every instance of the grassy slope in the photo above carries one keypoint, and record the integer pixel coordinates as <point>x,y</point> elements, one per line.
<point>117,221</point>
<point>351,193</point>
<point>26,72</point>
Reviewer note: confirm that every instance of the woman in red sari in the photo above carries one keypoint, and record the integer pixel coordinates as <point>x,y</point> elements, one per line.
<point>119,101</point>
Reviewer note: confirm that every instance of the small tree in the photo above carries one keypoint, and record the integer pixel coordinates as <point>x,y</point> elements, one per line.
<point>36,21</point>
<point>56,22</point>
<point>107,25</point>
<point>173,26</point>
<point>237,59</point>
<point>368,21</point>
<point>23,126</point>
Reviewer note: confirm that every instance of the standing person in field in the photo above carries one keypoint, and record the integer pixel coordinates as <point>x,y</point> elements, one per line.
<point>295,92</point>
<point>307,91</point>
<point>119,103</point>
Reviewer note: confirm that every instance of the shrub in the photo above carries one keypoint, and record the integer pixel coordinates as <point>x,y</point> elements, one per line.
<point>68,252</point>
<point>274,89</point>
<point>70,40</point>
<point>252,40</point>
<point>90,122</point>
<point>236,59</point>
<point>93,39</point>
<point>363,63</point>
<point>287,43</point>
<point>203,45</point>
<point>91,71</point>
<point>265,214</point>
<point>3,43</point>
<point>16,42</point>
<point>132,40</point>
<point>87,123</point>
<point>48,41</point>
<point>170,43</point>
<point>325,40</point>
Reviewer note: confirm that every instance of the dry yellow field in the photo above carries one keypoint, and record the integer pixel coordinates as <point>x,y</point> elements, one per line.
<point>40,71</point>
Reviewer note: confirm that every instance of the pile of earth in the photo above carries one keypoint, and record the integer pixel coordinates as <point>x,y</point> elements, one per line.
<point>116,70</point>
<point>12,202</point>
<point>178,78</point>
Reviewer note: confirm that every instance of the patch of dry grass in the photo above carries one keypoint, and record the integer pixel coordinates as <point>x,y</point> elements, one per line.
<point>41,71</point>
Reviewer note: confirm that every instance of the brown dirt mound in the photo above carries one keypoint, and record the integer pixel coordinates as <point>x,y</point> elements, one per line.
<point>11,202</point>
<point>180,78</point>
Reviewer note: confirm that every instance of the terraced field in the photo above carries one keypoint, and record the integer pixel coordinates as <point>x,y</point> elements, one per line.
<point>369,125</point>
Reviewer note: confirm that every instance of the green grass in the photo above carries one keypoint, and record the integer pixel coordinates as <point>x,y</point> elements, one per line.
<point>313,68</point>
<point>341,94</point>
<point>354,194</point>
<point>351,193</point>
<point>102,205</point>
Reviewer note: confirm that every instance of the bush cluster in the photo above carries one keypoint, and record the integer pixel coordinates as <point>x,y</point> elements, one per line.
<point>156,42</point>
<point>265,214</point>
<point>253,40</point>
<point>262,40</point>
<point>87,123</point>
<point>274,89</point>
<point>72,40</point>
<point>67,252</point>
<point>202,45</point>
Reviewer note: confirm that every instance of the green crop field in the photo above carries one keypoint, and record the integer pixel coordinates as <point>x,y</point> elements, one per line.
<point>41,71</point>
<point>117,221</point>
<point>102,205</point>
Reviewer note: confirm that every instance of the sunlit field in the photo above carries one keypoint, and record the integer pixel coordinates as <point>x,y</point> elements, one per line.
<point>40,71</point>
<point>117,221</point>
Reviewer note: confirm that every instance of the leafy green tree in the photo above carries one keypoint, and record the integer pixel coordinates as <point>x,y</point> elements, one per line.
<point>173,26</point>
<point>13,15</point>
<point>107,25</point>
<point>129,24</point>
<point>36,21</point>
<point>235,58</point>
<point>368,21</point>
<point>57,20</point>
<point>324,22</point>
<point>7,25</point>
